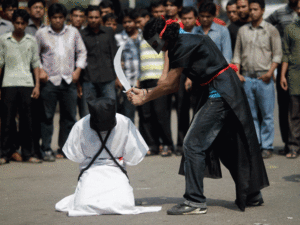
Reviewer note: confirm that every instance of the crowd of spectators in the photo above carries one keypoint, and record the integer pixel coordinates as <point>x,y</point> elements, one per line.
<point>42,65</point>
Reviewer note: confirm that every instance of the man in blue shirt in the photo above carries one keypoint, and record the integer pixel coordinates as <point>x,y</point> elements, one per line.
<point>219,34</point>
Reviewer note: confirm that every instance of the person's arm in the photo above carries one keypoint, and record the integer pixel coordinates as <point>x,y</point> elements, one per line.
<point>285,59</point>
<point>35,64</point>
<point>167,86</point>
<point>166,68</point>
<point>237,56</point>
<point>283,81</point>
<point>2,60</point>
<point>43,74</point>
<point>226,45</point>
<point>267,76</point>
<point>81,54</point>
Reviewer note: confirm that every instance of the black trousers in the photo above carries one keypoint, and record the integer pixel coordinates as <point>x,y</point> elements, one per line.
<point>16,99</point>
<point>293,142</point>
<point>283,108</point>
<point>154,117</point>
<point>182,100</point>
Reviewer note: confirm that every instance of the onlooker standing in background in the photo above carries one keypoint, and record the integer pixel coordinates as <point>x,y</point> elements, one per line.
<point>36,12</point>
<point>110,20</point>
<point>59,46</point>
<point>244,18</point>
<point>281,18</point>
<point>173,8</point>
<point>231,11</point>
<point>8,7</point>
<point>216,20</point>
<point>291,83</point>
<point>258,51</point>
<point>77,17</point>
<point>99,76</point>
<point>18,51</point>
<point>106,7</point>
<point>154,116</point>
<point>157,8</point>
<point>130,57</point>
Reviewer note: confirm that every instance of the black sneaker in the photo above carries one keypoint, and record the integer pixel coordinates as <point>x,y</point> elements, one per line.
<point>184,209</point>
<point>49,157</point>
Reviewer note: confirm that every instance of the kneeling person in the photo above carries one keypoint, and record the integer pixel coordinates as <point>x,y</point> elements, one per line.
<point>103,186</point>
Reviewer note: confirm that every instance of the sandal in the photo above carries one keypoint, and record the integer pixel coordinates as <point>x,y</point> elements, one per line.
<point>59,156</point>
<point>150,153</point>
<point>34,160</point>
<point>16,157</point>
<point>2,161</point>
<point>292,154</point>
<point>166,151</point>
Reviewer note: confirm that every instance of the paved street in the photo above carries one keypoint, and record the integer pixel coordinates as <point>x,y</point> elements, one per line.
<point>28,193</point>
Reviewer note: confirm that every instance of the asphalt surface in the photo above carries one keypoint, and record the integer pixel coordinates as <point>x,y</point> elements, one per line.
<point>29,192</point>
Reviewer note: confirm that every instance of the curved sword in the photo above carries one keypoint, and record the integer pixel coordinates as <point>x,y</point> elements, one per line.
<point>119,70</point>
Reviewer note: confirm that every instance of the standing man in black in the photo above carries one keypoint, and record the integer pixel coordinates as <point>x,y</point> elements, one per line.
<point>281,18</point>
<point>243,12</point>
<point>99,76</point>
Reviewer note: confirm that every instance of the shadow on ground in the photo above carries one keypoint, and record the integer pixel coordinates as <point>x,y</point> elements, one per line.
<point>292,178</point>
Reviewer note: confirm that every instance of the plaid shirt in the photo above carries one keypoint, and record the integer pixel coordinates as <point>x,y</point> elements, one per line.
<point>130,55</point>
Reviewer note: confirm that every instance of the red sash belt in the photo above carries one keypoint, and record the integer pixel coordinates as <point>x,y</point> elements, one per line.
<point>232,66</point>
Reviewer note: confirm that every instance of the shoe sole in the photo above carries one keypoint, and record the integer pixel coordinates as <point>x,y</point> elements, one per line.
<point>194,212</point>
<point>258,203</point>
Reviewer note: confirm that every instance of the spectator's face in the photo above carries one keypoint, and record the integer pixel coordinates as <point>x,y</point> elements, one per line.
<point>158,11</point>
<point>298,8</point>
<point>256,12</point>
<point>77,18</point>
<point>188,20</point>
<point>94,19</point>
<point>111,23</point>
<point>128,24</point>
<point>141,22</point>
<point>105,11</point>
<point>9,11</point>
<point>206,19</point>
<point>37,11</point>
<point>243,9</point>
<point>57,21</point>
<point>20,25</point>
<point>172,10</point>
<point>232,13</point>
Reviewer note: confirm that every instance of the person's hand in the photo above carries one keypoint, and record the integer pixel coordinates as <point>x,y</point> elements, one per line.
<point>75,76</point>
<point>35,93</point>
<point>43,76</point>
<point>188,84</point>
<point>266,77</point>
<point>284,83</point>
<point>79,90</point>
<point>242,78</point>
<point>118,84</point>
<point>135,96</point>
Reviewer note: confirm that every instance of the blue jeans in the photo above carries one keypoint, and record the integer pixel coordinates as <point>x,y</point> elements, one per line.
<point>261,97</point>
<point>66,95</point>
<point>106,89</point>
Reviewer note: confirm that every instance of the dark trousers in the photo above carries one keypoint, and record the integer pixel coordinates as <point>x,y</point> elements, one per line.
<point>16,99</point>
<point>182,100</point>
<point>154,123</point>
<point>66,95</point>
<point>283,108</point>
<point>294,123</point>
<point>37,112</point>
<point>203,131</point>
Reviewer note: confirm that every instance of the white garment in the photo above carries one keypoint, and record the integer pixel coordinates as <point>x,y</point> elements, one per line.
<point>104,188</point>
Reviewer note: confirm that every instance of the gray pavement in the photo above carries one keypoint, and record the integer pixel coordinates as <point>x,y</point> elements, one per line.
<point>29,192</point>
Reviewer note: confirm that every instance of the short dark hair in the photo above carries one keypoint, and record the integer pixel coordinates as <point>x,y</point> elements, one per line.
<point>57,8</point>
<point>91,8</point>
<point>260,2</point>
<point>231,2</point>
<point>10,3</point>
<point>140,12</point>
<point>188,9</point>
<point>156,3</point>
<point>177,3</point>
<point>127,12</point>
<point>109,16</point>
<point>208,7</point>
<point>77,8</point>
<point>107,4</point>
<point>32,2</point>
<point>21,13</point>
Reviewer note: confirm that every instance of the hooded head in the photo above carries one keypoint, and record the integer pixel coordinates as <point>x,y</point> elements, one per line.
<point>103,113</point>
